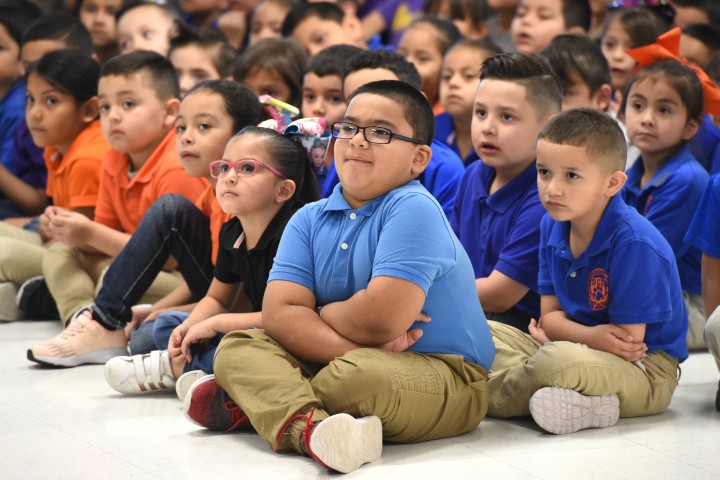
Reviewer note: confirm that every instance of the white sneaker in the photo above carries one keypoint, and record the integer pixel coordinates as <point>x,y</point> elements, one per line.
<point>9,311</point>
<point>150,372</point>
<point>342,442</point>
<point>83,341</point>
<point>186,380</point>
<point>563,410</point>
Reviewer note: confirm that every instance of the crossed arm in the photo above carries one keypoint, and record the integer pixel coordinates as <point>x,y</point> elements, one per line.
<point>378,316</point>
<point>625,341</point>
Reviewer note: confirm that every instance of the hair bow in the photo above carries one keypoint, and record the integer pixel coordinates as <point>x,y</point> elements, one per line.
<point>667,47</point>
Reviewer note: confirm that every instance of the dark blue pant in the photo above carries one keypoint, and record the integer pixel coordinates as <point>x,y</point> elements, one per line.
<point>202,355</point>
<point>173,225</point>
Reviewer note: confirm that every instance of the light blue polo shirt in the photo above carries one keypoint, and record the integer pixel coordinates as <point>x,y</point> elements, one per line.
<point>501,231</point>
<point>335,251</point>
<point>627,275</point>
<point>669,201</point>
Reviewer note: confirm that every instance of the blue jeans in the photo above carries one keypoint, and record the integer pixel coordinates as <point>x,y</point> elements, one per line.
<point>202,355</point>
<point>172,225</point>
<point>141,339</point>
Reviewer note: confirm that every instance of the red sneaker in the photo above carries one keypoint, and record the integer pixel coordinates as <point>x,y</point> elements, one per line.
<point>208,405</point>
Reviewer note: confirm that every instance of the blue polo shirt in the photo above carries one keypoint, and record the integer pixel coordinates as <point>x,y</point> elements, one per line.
<point>705,144</point>
<point>335,251</point>
<point>704,231</point>
<point>501,231</point>
<point>12,110</point>
<point>627,275</point>
<point>669,201</point>
<point>441,177</point>
<point>445,133</point>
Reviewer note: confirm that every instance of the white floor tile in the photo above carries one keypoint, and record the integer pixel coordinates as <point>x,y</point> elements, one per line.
<point>68,423</point>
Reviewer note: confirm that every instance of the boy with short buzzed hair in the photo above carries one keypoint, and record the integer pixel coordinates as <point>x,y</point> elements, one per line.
<point>613,321</point>
<point>537,22</point>
<point>443,174</point>
<point>322,91</point>
<point>203,54</point>
<point>138,106</point>
<point>497,210</point>
<point>316,26</point>
<point>367,336</point>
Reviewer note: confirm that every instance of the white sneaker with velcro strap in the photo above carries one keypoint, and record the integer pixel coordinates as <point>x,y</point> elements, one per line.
<point>138,374</point>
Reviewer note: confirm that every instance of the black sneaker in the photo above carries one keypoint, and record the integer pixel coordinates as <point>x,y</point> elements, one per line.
<point>35,300</point>
<point>717,399</point>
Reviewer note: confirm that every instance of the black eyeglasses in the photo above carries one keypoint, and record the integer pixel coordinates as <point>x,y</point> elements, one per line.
<point>347,130</point>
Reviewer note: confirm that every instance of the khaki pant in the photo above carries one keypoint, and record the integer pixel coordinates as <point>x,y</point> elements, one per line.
<point>417,396</point>
<point>696,321</point>
<point>74,277</point>
<point>522,366</point>
<point>21,254</point>
<point>712,334</point>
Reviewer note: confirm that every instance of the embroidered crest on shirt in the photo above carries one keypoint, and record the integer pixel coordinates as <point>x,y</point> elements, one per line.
<point>598,290</point>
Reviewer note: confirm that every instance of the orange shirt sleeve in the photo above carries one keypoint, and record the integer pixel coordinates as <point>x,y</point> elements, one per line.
<point>83,182</point>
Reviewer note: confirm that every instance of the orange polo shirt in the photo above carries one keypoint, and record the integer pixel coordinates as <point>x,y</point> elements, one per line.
<point>209,205</point>
<point>73,179</point>
<point>123,201</point>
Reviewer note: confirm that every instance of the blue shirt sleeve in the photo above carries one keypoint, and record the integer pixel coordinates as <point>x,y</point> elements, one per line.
<point>418,247</point>
<point>293,260</point>
<point>519,258</point>
<point>545,284</point>
<point>636,296</point>
<point>704,231</point>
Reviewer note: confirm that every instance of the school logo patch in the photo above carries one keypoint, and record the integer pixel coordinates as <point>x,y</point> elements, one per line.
<point>598,290</point>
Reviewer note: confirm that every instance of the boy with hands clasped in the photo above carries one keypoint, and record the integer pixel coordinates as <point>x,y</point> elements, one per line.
<point>613,320</point>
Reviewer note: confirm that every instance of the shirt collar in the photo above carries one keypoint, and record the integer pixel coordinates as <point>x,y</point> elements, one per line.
<point>336,201</point>
<point>635,172</point>
<point>604,233</point>
<point>501,200</point>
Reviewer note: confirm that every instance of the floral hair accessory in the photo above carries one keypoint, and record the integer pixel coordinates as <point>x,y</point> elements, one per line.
<point>667,47</point>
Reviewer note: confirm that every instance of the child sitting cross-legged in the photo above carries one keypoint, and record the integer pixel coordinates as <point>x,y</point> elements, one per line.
<point>613,322</point>
<point>366,335</point>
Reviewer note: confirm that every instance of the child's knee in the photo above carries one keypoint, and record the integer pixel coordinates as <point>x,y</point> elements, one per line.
<point>712,333</point>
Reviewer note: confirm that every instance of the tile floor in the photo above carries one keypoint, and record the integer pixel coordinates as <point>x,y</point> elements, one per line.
<point>68,424</point>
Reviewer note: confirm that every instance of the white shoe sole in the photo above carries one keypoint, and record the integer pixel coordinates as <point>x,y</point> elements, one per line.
<point>96,357</point>
<point>343,442</point>
<point>562,410</point>
<point>186,381</point>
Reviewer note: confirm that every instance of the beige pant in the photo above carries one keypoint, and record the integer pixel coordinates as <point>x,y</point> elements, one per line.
<point>522,366</point>
<point>74,277</point>
<point>418,397</point>
<point>21,254</point>
<point>712,334</point>
<point>696,321</point>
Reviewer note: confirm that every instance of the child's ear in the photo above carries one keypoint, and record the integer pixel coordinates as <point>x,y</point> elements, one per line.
<point>285,191</point>
<point>615,183</point>
<point>423,154</point>
<point>601,99</point>
<point>172,108</point>
<point>90,110</point>
<point>691,128</point>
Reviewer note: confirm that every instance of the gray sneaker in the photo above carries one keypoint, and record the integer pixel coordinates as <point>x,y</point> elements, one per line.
<point>563,410</point>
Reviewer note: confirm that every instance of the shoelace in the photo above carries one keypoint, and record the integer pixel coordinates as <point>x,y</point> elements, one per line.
<point>237,416</point>
<point>73,329</point>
